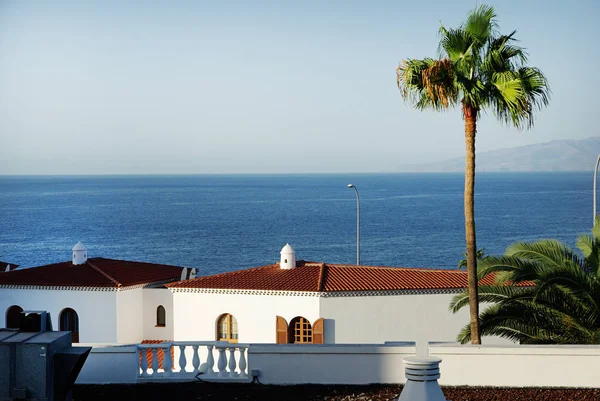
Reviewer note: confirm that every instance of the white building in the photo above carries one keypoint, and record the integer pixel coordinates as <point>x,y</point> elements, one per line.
<point>99,300</point>
<point>113,301</point>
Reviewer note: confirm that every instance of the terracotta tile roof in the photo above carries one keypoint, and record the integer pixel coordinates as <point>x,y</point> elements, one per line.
<point>321,277</point>
<point>96,272</point>
<point>160,354</point>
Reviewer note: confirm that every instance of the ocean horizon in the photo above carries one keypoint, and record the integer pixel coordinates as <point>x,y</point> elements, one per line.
<point>224,222</point>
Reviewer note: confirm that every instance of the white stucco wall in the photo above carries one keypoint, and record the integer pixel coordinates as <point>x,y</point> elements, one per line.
<point>330,364</point>
<point>153,297</point>
<point>518,365</point>
<point>407,317</point>
<point>96,309</point>
<point>196,314</point>
<point>130,306</point>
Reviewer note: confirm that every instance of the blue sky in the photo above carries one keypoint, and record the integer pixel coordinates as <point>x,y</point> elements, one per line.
<point>103,87</point>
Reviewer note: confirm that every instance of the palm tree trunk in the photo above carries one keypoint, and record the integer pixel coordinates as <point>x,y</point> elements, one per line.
<point>470,115</point>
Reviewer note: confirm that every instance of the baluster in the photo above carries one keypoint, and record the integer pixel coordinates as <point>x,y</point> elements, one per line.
<point>167,362</point>
<point>243,364</point>
<point>222,363</point>
<point>196,359</point>
<point>232,363</point>
<point>144,358</point>
<point>182,360</point>
<point>210,361</point>
<point>154,361</point>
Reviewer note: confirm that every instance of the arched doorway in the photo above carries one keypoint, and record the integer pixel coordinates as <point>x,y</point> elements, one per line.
<point>69,321</point>
<point>13,317</point>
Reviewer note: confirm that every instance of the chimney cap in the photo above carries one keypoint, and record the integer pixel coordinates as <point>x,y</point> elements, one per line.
<point>79,247</point>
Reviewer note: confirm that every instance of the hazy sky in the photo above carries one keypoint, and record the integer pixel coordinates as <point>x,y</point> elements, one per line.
<point>93,87</point>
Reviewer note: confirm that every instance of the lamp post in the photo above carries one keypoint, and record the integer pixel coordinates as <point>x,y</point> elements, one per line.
<point>357,224</point>
<point>595,179</point>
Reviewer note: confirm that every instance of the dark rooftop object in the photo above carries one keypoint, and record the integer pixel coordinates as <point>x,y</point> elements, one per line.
<point>5,266</point>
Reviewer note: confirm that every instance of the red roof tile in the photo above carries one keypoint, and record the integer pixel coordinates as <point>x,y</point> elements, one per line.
<point>96,272</point>
<point>321,277</point>
<point>160,354</point>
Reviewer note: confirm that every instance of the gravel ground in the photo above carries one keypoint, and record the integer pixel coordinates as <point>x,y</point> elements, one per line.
<point>246,392</point>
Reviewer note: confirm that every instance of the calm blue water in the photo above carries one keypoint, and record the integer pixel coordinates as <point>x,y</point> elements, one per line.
<point>222,223</point>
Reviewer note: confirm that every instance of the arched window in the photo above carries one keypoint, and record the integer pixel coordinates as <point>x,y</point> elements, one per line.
<point>13,317</point>
<point>161,316</point>
<point>227,328</point>
<point>69,321</point>
<point>300,331</point>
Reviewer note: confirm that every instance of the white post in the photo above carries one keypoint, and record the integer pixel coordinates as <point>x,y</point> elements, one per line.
<point>182,360</point>
<point>595,179</point>
<point>196,359</point>
<point>243,364</point>
<point>357,224</point>
<point>144,361</point>
<point>154,361</point>
<point>232,363</point>
<point>167,362</point>
<point>210,361</point>
<point>222,363</point>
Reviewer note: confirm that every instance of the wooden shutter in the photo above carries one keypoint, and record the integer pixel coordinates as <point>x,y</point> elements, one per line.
<point>317,332</point>
<point>281,334</point>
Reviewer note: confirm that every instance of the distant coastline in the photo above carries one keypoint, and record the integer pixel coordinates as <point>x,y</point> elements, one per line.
<point>554,156</point>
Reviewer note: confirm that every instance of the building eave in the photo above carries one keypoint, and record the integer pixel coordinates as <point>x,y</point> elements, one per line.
<point>56,288</point>
<point>321,294</point>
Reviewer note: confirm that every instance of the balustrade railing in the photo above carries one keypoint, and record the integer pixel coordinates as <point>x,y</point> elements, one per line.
<point>182,360</point>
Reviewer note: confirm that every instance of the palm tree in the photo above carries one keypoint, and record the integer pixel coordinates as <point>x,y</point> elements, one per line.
<point>541,293</point>
<point>484,70</point>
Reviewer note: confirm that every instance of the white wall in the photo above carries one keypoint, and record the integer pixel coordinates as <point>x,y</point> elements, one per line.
<point>130,306</point>
<point>109,364</point>
<point>153,297</point>
<point>518,366</point>
<point>377,319</point>
<point>329,364</point>
<point>196,314</point>
<point>96,309</point>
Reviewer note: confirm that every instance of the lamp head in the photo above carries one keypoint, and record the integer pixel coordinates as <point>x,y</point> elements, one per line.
<point>350,186</point>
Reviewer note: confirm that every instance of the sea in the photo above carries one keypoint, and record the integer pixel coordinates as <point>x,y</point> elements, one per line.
<point>220,223</point>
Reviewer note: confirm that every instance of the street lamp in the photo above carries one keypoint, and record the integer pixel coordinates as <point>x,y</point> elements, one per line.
<point>357,225</point>
<point>595,179</point>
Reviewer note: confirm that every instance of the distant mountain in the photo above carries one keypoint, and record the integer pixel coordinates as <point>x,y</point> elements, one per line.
<point>559,155</point>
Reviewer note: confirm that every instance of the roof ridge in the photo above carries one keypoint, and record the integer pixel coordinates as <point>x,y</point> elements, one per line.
<point>105,274</point>
<point>136,262</point>
<point>174,283</point>
<point>427,269</point>
<point>322,269</point>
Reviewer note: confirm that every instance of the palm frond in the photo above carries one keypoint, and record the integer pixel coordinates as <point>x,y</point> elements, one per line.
<point>427,83</point>
<point>509,269</point>
<point>481,23</point>
<point>590,247</point>
<point>502,55</point>
<point>548,252</point>
<point>457,46</point>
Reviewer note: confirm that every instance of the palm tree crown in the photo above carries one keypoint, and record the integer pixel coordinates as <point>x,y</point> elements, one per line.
<point>479,67</point>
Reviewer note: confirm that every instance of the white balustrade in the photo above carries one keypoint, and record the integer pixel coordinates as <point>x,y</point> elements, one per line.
<point>195,359</point>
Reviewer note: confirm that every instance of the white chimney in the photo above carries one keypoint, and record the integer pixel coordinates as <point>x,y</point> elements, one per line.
<point>79,254</point>
<point>288,257</point>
